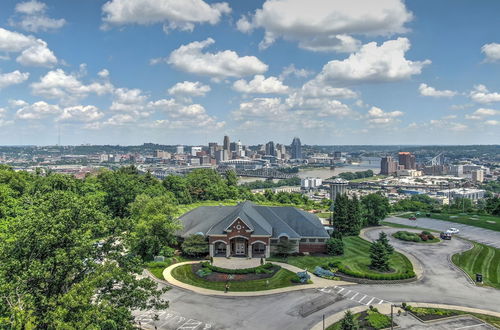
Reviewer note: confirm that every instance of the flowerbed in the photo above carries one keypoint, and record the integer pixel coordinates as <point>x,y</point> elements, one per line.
<point>423,237</point>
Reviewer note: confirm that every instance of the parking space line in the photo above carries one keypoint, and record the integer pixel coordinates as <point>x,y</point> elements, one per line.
<point>470,326</point>
<point>368,303</point>
<point>362,298</point>
<point>352,298</point>
<point>341,290</point>
<point>381,301</point>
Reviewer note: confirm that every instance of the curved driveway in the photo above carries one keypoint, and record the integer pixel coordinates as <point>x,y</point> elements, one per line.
<point>481,235</point>
<point>441,283</point>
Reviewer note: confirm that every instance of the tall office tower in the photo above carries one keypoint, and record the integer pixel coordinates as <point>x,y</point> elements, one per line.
<point>180,150</point>
<point>270,149</point>
<point>212,148</point>
<point>478,176</point>
<point>280,150</point>
<point>338,187</point>
<point>296,148</point>
<point>195,150</point>
<point>388,166</point>
<point>232,147</point>
<point>226,144</point>
<point>221,155</point>
<point>407,160</point>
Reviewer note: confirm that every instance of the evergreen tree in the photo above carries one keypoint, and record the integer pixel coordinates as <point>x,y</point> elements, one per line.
<point>348,322</point>
<point>340,218</point>
<point>379,257</point>
<point>382,238</point>
<point>375,208</point>
<point>354,211</point>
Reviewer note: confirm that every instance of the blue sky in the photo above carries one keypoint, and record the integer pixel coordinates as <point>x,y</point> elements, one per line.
<point>190,71</point>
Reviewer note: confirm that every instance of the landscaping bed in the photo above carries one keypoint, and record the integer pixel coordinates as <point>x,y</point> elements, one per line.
<point>431,314</point>
<point>370,319</point>
<point>482,259</point>
<point>355,262</point>
<point>249,274</point>
<point>280,279</point>
<point>423,237</point>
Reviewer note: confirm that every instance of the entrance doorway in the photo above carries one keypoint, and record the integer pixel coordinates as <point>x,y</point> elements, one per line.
<point>239,248</point>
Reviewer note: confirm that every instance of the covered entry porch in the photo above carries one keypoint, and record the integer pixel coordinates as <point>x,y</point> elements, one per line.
<point>239,247</point>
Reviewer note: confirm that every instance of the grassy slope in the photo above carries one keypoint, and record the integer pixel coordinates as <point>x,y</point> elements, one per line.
<point>466,219</point>
<point>281,279</point>
<point>481,259</point>
<point>356,256</point>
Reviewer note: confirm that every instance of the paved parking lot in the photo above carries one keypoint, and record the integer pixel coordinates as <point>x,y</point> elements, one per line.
<point>464,322</point>
<point>170,320</point>
<point>484,236</point>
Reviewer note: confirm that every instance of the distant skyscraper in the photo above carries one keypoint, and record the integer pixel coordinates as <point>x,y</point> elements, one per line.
<point>296,148</point>
<point>226,144</point>
<point>407,160</point>
<point>180,149</point>
<point>388,166</point>
<point>338,187</point>
<point>270,149</point>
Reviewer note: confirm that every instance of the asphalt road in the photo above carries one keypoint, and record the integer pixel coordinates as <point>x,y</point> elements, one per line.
<point>441,282</point>
<point>485,236</point>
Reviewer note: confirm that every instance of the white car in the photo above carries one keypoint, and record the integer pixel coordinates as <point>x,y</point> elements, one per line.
<point>453,231</point>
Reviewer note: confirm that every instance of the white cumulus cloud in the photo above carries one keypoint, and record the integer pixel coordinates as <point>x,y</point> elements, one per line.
<point>174,14</point>
<point>33,17</point>
<point>481,113</point>
<point>378,116</point>
<point>261,85</point>
<point>13,78</point>
<point>37,110</point>
<point>374,63</point>
<point>427,90</point>
<point>80,113</point>
<point>491,51</point>
<point>324,25</point>
<point>189,88</point>
<point>481,94</point>
<point>223,64</point>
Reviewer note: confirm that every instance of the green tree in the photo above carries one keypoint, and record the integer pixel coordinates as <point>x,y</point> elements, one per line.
<point>285,247</point>
<point>379,257</point>
<point>178,185</point>
<point>335,246</point>
<point>348,322</point>
<point>375,208</point>
<point>382,238</point>
<point>347,215</point>
<point>231,178</point>
<point>195,246</point>
<point>153,225</point>
<point>63,267</point>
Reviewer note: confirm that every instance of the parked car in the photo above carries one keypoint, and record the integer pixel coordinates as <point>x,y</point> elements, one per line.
<point>453,231</point>
<point>444,235</point>
<point>412,218</point>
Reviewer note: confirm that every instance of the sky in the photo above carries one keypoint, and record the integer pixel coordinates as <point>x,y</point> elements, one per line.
<point>190,71</point>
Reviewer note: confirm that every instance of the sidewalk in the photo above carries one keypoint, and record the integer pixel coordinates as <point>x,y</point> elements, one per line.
<point>318,282</point>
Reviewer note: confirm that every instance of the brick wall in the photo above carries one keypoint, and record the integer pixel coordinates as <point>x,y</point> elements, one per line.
<point>313,248</point>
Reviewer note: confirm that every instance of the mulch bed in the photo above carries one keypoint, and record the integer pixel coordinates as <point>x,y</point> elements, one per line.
<point>432,317</point>
<point>221,277</point>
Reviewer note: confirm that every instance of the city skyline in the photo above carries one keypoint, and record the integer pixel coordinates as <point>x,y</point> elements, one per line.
<point>131,72</point>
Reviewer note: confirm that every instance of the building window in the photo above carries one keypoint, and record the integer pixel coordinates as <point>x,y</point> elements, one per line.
<point>303,240</point>
<point>238,227</point>
<point>321,240</point>
<point>312,240</point>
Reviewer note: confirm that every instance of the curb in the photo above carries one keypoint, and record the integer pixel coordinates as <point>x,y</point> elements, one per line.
<point>467,276</point>
<point>317,283</point>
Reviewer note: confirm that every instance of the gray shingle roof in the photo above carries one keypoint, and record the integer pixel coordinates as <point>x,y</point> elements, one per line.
<point>262,220</point>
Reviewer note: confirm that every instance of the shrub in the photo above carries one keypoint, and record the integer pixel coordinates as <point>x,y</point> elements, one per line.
<point>335,246</point>
<point>423,237</point>
<point>431,237</point>
<point>167,252</point>
<point>263,269</point>
<point>203,272</point>
<point>321,272</point>
<point>425,232</point>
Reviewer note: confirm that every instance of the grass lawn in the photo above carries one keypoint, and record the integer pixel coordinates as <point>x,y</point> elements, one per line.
<point>356,257</point>
<point>156,267</point>
<point>413,237</point>
<point>281,279</point>
<point>484,221</point>
<point>397,225</point>
<point>480,259</point>
<point>422,312</point>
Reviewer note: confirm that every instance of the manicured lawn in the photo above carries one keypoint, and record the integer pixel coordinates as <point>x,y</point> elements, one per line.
<point>281,279</point>
<point>156,267</point>
<point>413,237</point>
<point>397,225</point>
<point>480,259</point>
<point>483,221</point>
<point>356,257</point>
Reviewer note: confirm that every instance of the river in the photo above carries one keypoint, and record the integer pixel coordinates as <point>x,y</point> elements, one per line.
<point>367,163</point>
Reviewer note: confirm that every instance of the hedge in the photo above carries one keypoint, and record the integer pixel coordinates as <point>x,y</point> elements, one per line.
<point>255,270</point>
<point>403,276</point>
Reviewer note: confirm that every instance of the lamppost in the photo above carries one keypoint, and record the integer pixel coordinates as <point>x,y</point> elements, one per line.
<point>392,314</point>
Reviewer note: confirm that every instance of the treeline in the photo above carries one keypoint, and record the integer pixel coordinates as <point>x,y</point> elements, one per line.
<point>270,184</point>
<point>356,175</point>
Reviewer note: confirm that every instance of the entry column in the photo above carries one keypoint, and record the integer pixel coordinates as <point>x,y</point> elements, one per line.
<point>228,249</point>
<point>249,249</point>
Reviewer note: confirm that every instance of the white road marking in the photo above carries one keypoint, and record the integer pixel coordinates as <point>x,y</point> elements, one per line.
<point>381,301</point>
<point>189,325</point>
<point>362,298</point>
<point>341,290</point>
<point>368,303</point>
<point>352,298</point>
